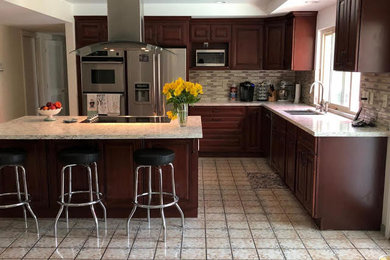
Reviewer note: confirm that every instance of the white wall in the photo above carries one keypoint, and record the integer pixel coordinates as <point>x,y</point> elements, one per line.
<point>71,68</point>
<point>12,94</point>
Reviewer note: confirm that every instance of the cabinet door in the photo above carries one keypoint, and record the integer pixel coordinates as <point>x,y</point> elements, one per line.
<point>247,50</point>
<point>253,129</point>
<point>305,171</point>
<point>278,147</point>
<point>291,141</point>
<point>274,45</point>
<point>221,32</point>
<point>342,30</point>
<point>90,31</point>
<point>151,33</point>
<point>353,35</point>
<point>265,131</point>
<point>173,34</point>
<point>200,32</point>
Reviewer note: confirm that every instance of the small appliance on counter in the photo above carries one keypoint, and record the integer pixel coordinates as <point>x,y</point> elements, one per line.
<point>262,91</point>
<point>233,93</point>
<point>285,91</point>
<point>246,91</point>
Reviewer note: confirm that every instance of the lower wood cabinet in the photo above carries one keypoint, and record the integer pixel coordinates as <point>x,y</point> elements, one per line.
<point>290,155</point>
<point>230,130</point>
<point>278,144</point>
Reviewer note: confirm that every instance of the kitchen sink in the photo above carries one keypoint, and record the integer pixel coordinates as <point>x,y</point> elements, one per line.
<point>127,119</point>
<point>306,112</point>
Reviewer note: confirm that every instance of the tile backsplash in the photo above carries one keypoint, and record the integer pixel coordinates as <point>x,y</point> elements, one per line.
<point>217,83</point>
<point>376,87</point>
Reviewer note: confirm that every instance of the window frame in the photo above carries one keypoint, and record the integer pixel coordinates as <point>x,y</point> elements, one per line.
<point>345,109</point>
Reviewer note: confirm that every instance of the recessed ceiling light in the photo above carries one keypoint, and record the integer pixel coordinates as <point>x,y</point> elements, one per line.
<point>312,2</point>
<point>221,2</point>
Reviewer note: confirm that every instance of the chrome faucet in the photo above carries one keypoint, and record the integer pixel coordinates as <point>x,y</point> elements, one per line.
<point>321,105</point>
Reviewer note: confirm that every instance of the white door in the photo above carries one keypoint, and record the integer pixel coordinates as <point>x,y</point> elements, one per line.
<point>30,74</point>
<point>54,85</point>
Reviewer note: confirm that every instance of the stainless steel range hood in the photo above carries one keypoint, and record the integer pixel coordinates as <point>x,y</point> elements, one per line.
<point>125,29</point>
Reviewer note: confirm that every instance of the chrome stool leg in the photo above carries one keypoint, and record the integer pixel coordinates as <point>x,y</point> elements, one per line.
<point>91,199</point>
<point>135,199</point>
<point>98,194</point>
<point>174,194</point>
<point>162,203</point>
<point>150,192</point>
<point>69,196</point>
<point>19,196</point>
<point>62,199</point>
<point>26,198</point>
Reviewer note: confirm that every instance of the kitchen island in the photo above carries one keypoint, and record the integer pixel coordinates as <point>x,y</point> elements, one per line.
<point>116,143</point>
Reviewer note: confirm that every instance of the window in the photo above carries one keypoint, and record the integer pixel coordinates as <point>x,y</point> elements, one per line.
<point>341,89</point>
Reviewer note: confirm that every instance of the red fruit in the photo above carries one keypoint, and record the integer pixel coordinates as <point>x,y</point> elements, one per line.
<point>49,104</point>
<point>58,104</point>
<point>45,108</point>
<point>52,107</point>
<point>42,107</point>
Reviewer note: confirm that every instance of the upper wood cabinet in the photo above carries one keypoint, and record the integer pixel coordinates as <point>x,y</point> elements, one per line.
<point>289,41</point>
<point>247,46</point>
<point>274,35</point>
<point>210,31</point>
<point>90,30</point>
<point>167,31</point>
<point>362,36</point>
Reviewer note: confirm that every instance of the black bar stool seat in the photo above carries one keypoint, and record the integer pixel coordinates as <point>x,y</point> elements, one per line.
<point>148,158</point>
<point>12,156</point>
<point>154,156</point>
<point>84,156</point>
<point>78,155</point>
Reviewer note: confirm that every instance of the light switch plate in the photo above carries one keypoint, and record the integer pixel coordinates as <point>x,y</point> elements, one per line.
<point>1,66</point>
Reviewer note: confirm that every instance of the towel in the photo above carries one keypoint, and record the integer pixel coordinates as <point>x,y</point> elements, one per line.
<point>113,104</point>
<point>102,104</point>
<point>92,108</point>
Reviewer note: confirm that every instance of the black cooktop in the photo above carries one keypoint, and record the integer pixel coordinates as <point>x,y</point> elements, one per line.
<point>127,119</point>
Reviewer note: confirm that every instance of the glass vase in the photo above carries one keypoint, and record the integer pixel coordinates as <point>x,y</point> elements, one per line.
<point>182,114</point>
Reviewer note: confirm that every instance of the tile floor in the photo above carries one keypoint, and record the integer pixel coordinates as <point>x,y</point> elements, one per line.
<point>236,220</point>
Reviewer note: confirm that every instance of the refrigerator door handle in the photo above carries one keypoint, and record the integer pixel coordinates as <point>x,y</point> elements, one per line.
<point>160,111</point>
<point>153,98</point>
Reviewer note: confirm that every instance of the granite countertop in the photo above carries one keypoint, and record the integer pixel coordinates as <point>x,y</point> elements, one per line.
<point>327,125</point>
<point>33,127</point>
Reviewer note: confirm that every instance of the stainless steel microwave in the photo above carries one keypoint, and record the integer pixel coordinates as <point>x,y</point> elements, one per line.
<point>210,58</point>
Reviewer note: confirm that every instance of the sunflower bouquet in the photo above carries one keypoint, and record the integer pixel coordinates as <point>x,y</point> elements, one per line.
<point>180,93</point>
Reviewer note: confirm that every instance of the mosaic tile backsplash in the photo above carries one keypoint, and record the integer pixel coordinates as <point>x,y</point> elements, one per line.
<point>217,83</point>
<point>376,87</point>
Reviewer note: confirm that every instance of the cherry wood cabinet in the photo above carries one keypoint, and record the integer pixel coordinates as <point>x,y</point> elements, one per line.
<point>90,30</point>
<point>167,31</point>
<point>265,131</point>
<point>247,46</point>
<point>274,41</point>
<point>362,41</point>
<point>290,162</point>
<point>210,30</point>
<point>230,131</point>
<point>278,144</point>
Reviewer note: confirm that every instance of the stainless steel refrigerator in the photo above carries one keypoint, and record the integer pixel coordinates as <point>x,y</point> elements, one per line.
<point>147,74</point>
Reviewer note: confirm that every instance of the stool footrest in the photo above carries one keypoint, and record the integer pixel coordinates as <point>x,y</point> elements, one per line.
<point>83,204</point>
<point>165,205</point>
<point>14,205</point>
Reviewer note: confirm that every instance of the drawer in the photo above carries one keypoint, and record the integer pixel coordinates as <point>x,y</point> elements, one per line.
<point>222,123</point>
<point>307,140</point>
<point>225,111</point>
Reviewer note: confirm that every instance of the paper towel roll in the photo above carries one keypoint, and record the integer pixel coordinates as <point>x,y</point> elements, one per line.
<point>297,93</point>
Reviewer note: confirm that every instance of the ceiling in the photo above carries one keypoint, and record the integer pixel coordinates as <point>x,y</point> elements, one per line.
<point>264,6</point>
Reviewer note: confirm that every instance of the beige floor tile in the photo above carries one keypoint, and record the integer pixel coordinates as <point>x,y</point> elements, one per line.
<point>239,233</point>
<point>142,253</point>
<point>339,243</point>
<point>215,224</point>
<point>167,253</point>
<point>315,243</point>
<point>193,253</point>
<point>238,243</point>
<point>218,242</point>
<point>121,243</point>
<point>270,243</point>
<point>194,243</point>
<point>14,253</point>
<point>322,254</point>
<point>363,243</point>
<point>296,254</point>
<point>116,253</point>
<point>274,254</point>
<point>194,233</point>
<point>245,253</point>
<point>348,254</point>
<point>286,234</point>
<point>95,242</point>
<point>372,253</point>
<point>263,233</point>
<point>90,253</point>
<point>383,243</point>
<point>291,243</point>
<point>216,233</point>
<point>65,253</point>
<point>72,242</point>
<point>217,253</point>
<point>39,253</point>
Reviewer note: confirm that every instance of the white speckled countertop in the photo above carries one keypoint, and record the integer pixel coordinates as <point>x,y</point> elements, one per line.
<point>327,125</point>
<point>33,127</point>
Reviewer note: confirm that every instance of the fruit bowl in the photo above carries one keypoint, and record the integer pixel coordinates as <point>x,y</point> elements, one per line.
<point>50,113</point>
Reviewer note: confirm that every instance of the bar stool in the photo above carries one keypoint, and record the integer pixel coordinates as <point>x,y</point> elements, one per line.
<point>15,158</point>
<point>79,156</point>
<point>148,158</point>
